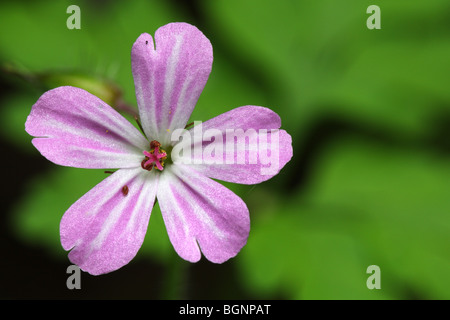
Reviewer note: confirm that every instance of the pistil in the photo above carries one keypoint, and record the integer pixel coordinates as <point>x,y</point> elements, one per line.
<point>154,158</point>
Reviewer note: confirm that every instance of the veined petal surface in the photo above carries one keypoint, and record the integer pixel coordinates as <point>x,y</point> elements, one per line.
<point>75,128</point>
<point>169,76</point>
<point>106,227</point>
<point>201,214</point>
<point>243,145</point>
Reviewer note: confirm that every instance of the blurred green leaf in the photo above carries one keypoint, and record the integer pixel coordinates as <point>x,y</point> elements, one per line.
<point>38,39</point>
<point>13,115</point>
<point>319,57</point>
<point>368,205</point>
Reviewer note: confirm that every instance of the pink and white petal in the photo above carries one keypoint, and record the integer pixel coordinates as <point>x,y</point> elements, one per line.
<point>245,117</point>
<point>75,128</point>
<point>169,78</point>
<point>106,227</point>
<point>263,158</point>
<point>247,146</point>
<point>200,213</point>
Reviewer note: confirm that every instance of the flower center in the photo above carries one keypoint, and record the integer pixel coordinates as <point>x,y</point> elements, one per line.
<point>155,157</point>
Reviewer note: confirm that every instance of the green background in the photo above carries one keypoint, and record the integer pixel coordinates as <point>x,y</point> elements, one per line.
<point>368,111</point>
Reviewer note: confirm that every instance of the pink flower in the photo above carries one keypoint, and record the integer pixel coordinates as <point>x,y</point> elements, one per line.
<point>105,228</point>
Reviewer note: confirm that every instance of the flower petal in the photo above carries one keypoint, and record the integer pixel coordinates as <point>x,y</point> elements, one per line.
<point>199,212</point>
<point>75,128</point>
<point>170,78</point>
<point>247,146</point>
<point>106,227</point>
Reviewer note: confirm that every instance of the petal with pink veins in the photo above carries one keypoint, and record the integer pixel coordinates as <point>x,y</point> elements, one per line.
<point>201,214</point>
<point>169,76</point>
<point>106,227</point>
<point>75,128</point>
<point>251,148</point>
